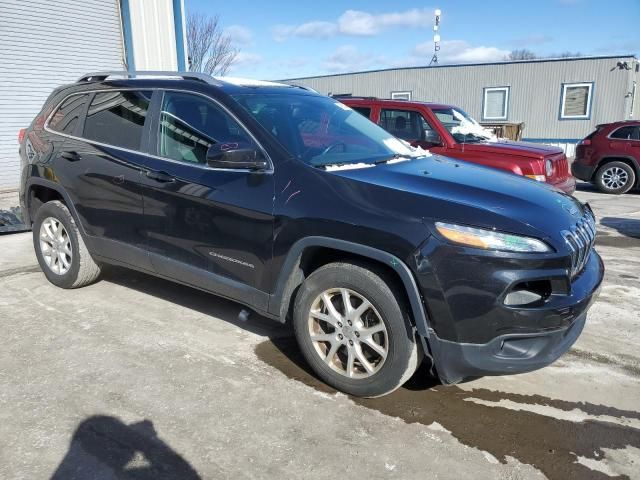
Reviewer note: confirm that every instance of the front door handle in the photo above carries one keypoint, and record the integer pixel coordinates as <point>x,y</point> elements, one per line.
<point>71,156</point>
<point>162,177</point>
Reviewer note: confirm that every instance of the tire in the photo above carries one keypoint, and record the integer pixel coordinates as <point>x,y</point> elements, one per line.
<point>65,261</point>
<point>391,356</point>
<point>615,178</point>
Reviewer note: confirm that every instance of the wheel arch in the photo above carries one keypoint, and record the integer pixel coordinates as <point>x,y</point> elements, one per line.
<point>308,254</point>
<point>39,191</point>
<point>618,158</point>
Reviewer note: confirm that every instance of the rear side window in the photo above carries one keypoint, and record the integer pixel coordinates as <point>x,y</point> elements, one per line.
<point>403,124</point>
<point>626,133</point>
<point>67,116</point>
<point>364,111</point>
<point>117,118</point>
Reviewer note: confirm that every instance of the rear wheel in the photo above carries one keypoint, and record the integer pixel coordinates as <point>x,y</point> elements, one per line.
<point>59,248</point>
<point>615,177</point>
<point>352,330</point>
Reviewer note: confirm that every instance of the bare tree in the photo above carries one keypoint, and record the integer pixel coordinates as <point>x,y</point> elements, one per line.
<point>567,55</point>
<point>521,54</point>
<point>210,50</point>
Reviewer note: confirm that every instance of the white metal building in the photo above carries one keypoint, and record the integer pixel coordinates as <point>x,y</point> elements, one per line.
<point>559,100</point>
<point>47,43</point>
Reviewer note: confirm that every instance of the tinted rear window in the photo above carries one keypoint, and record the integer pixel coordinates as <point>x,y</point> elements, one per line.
<point>117,118</point>
<point>68,114</point>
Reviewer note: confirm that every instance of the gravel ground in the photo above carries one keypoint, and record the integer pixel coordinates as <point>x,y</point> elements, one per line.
<point>135,377</point>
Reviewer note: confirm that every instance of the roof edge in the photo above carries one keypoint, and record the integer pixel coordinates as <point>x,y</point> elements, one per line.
<point>457,65</point>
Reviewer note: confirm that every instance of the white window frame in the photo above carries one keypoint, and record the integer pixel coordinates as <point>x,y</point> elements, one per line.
<point>563,97</point>
<point>401,95</point>
<point>506,102</point>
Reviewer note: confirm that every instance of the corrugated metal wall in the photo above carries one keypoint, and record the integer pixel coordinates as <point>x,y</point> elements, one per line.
<point>535,90</point>
<point>44,44</point>
<point>153,35</point>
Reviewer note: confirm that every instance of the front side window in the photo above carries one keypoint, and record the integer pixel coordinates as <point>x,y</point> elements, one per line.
<point>496,103</point>
<point>404,124</point>
<point>190,124</point>
<point>67,116</point>
<point>117,118</point>
<point>321,131</point>
<point>576,101</point>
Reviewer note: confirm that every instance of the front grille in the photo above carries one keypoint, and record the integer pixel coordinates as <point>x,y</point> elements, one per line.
<point>580,239</point>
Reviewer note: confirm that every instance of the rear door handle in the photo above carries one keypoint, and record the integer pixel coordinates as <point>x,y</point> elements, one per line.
<point>162,177</point>
<point>71,156</point>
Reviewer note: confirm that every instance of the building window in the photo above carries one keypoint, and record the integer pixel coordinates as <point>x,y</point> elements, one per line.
<point>496,103</point>
<point>575,103</point>
<point>400,95</point>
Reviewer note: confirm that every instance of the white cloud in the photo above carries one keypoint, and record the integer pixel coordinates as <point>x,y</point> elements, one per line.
<point>459,51</point>
<point>246,58</point>
<point>356,23</point>
<point>347,58</point>
<point>307,30</point>
<point>239,34</point>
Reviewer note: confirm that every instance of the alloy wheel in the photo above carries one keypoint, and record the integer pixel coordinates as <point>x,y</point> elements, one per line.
<point>348,333</point>
<point>55,245</point>
<point>614,178</point>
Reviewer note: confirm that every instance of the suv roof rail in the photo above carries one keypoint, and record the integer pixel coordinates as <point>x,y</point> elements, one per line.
<point>101,76</point>
<point>351,95</point>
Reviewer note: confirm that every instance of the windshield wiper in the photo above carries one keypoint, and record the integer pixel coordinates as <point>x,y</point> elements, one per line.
<point>396,156</point>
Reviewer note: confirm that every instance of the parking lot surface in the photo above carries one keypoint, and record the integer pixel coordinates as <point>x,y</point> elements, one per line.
<point>136,377</point>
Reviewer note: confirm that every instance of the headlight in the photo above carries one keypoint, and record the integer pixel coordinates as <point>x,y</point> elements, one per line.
<point>490,239</point>
<point>548,168</point>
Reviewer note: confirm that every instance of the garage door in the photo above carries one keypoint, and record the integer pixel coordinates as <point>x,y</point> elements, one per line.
<point>44,44</point>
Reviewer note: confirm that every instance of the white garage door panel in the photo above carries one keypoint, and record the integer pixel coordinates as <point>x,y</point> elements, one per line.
<point>44,44</point>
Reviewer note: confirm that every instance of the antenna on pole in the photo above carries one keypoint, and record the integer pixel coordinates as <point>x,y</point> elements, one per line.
<point>436,37</point>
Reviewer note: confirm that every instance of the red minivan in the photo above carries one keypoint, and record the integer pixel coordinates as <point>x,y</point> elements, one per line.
<point>448,130</point>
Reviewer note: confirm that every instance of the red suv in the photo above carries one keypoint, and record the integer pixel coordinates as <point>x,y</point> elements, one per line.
<point>609,157</point>
<point>447,130</point>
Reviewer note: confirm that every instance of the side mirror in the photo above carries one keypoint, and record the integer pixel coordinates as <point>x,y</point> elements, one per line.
<point>234,155</point>
<point>431,137</point>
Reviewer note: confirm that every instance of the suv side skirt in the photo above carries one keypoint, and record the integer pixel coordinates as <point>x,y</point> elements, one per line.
<point>291,276</point>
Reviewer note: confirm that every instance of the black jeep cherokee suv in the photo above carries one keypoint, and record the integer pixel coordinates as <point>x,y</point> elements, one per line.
<point>300,208</point>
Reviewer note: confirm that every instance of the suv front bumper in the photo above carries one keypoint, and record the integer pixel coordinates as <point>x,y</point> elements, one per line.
<point>473,333</point>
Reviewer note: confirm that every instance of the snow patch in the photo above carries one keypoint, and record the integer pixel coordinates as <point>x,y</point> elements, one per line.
<point>349,166</point>
<point>468,126</point>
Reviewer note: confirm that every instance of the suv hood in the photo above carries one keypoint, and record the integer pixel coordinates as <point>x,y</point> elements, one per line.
<point>522,149</point>
<point>442,188</point>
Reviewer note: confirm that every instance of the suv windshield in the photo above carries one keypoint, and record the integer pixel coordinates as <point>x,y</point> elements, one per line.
<point>321,131</point>
<point>463,128</point>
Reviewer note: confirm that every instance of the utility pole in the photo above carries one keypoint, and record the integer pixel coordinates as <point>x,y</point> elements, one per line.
<point>436,37</point>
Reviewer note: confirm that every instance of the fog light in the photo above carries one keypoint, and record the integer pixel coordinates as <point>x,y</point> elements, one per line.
<point>521,297</point>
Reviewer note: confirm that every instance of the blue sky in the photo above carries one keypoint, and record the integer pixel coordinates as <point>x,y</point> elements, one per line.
<point>288,38</point>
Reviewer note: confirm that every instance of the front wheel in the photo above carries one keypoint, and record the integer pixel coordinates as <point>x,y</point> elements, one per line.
<point>615,177</point>
<point>352,330</point>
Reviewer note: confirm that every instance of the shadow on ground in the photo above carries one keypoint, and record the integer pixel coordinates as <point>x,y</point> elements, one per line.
<point>476,419</point>
<point>589,187</point>
<point>188,297</point>
<point>629,227</point>
<point>105,448</point>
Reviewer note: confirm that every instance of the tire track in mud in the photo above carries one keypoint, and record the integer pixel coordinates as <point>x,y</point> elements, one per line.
<point>552,445</point>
